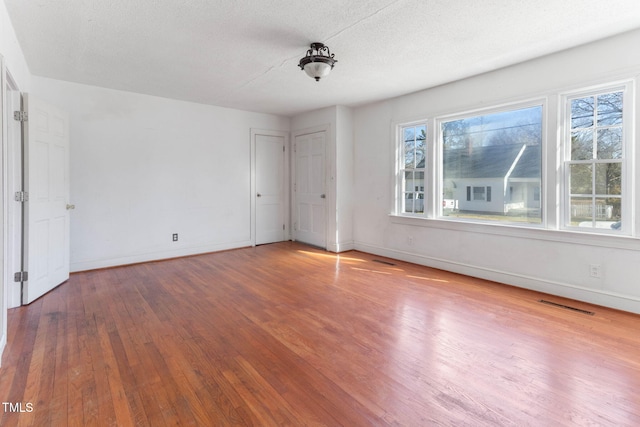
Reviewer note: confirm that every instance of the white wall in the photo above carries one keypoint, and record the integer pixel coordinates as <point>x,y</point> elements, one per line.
<point>143,168</point>
<point>11,51</point>
<point>344,178</point>
<point>547,260</point>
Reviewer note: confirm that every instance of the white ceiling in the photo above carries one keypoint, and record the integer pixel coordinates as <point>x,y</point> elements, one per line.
<point>244,53</point>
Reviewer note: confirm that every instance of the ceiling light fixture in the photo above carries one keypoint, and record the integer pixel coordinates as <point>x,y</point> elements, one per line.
<point>318,61</point>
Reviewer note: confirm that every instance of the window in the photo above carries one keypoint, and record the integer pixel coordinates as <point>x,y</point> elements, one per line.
<point>496,159</point>
<point>595,195</point>
<point>479,193</point>
<point>487,166</point>
<point>412,168</point>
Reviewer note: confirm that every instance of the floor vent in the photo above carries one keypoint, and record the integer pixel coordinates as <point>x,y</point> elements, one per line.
<point>568,307</point>
<point>382,262</point>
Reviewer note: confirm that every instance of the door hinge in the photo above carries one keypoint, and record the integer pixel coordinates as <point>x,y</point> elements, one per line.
<point>283,226</point>
<point>21,276</point>
<point>22,196</point>
<point>21,116</point>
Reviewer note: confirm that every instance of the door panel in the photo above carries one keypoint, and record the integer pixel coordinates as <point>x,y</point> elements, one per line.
<point>46,174</point>
<point>310,189</point>
<point>270,189</point>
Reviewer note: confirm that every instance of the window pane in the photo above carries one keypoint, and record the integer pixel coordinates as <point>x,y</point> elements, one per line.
<point>582,112</point>
<point>610,109</point>
<point>421,137</point>
<point>414,139</point>
<point>602,213</point>
<point>599,213</point>
<point>408,202</point>
<point>608,209</point>
<point>419,203</point>
<point>609,178</point>
<point>478,193</point>
<point>610,143</point>
<point>420,157</point>
<point>409,184</point>
<point>581,179</point>
<point>418,182</point>
<point>409,147</point>
<point>581,211</point>
<point>499,150</point>
<point>409,156</point>
<point>582,145</point>
<point>454,134</point>
<point>615,221</point>
<point>409,134</point>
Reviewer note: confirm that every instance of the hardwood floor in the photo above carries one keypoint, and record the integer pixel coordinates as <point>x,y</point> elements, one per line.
<point>285,334</point>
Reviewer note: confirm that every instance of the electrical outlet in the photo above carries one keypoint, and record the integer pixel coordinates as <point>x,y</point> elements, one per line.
<point>595,270</point>
<point>175,237</point>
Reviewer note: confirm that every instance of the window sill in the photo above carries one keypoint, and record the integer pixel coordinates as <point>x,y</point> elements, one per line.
<point>533,231</point>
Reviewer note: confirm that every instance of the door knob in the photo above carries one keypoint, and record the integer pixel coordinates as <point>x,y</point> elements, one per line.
<point>259,195</point>
<point>69,207</point>
<point>322,196</point>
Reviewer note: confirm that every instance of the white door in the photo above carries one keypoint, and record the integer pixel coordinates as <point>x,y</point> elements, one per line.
<point>46,174</point>
<point>270,189</point>
<point>310,189</point>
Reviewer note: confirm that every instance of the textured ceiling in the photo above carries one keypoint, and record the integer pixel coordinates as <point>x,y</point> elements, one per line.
<point>244,54</point>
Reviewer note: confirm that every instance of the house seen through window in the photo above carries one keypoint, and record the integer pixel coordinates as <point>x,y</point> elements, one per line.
<point>491,166</point>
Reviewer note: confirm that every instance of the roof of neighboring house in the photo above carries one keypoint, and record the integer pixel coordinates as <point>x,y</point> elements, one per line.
<point>493,161</point>
<point>529,165</point>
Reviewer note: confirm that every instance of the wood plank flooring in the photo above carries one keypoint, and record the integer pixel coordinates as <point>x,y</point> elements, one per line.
<point>285,334</point>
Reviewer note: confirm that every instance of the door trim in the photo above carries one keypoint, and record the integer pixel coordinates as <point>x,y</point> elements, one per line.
<point>12,179</point>
<point>287,181</point>
<point>11,211</point>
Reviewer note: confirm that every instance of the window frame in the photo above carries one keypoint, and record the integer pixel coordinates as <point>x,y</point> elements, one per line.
<point>401,170</point>
<point>627,164</point>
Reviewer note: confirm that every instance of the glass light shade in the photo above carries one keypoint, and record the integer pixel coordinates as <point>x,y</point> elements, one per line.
<point>317,70</point>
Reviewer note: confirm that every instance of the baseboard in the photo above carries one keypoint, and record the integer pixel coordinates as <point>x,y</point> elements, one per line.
<point>593,296</point>
<point>341,246</point>
<point>155,256</point>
